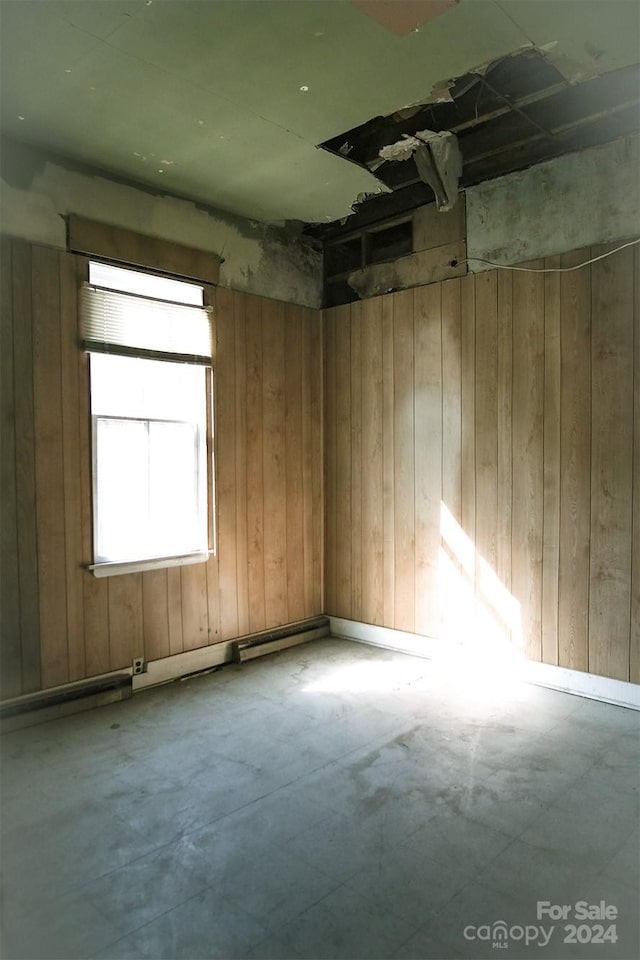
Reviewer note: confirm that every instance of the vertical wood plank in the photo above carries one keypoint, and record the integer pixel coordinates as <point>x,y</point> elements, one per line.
<point>213,600</point>
<point>356,461</point>
<point>49,466</point>
<point>404,475</point>
<point>174,610</point>
<point>125,620</point>
<point>451,399</point>
<point>294,456</point>
<point>226,461</point>
<point>428,455</point>
<point>486,416</point>
<point>308,505</point>
<point>528,395</point>
<point>155,614</point>
<point>455,583</point>
<point>505,455</point>
<point>388,461</point>
<point>459,619</point>
<point>372,545</point>
<point>611,465</point>
<point>343,462</point>
<point>575,462</point>
<point>195,606</point>
<point>273,437</point>
<point>71,465</point>
<point>491,616</point>
<point>634,642</point>
<point>330,447</point>
<point>242,583</point>
<point>214,634</point>
<point>468,393</point>
<point>551,457</point>
<point>317,459</point>
<point>11,648</point>
<point>255,488</point>
<point>25,467</point>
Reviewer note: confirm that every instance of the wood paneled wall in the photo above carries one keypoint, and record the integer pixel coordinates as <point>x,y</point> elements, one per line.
<point>514,400</point>
<point>60,623</point>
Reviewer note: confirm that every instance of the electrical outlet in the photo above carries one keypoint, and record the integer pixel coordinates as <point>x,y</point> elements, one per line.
<point>138,665</point>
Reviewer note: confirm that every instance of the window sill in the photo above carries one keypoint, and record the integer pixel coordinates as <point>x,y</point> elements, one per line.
<point>114,569</point>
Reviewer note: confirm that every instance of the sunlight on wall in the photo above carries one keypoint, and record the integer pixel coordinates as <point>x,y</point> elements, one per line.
<point>481,624</point>
<point>480,647</point>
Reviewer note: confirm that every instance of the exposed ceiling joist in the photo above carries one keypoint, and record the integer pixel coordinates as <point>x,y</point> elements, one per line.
<point>226,103</point>
<point>519,111</point>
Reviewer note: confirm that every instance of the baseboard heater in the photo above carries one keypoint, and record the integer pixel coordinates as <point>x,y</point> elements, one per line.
<point>46,704</point>
<point>273,640</point>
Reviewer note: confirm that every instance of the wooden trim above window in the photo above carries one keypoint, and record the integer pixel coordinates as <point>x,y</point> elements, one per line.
<point>137,249</point>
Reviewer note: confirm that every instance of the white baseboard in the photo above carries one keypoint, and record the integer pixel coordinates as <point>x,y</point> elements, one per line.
<point>207,658</point>
<point>182,664</point>
<point>590,685</point>
<point>618,692</point>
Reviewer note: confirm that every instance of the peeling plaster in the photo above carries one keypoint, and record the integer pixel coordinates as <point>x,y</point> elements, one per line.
<point>37,192</point>
<point>588,197</point>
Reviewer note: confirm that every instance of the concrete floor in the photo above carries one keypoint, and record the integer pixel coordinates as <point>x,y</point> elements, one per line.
<point>334,800</point>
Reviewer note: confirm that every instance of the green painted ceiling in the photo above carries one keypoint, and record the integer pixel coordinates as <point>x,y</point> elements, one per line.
<point>209,92</point>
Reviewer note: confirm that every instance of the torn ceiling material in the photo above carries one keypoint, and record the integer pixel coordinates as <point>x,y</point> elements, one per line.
<point>438,161</point>
<point>242,126</point>
<point>519,112</point>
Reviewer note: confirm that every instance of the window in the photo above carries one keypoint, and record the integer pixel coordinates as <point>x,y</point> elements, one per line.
<point>150,366</point>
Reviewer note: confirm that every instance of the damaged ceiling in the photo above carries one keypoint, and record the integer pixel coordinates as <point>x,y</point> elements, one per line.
<point>227,103</point>
<point>514,112</point>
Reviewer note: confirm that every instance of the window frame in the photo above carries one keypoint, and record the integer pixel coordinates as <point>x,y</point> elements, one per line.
<point>107,568</point>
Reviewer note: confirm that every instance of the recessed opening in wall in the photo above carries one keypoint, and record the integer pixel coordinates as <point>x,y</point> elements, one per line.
<point>389,243</point>
<point>343,257</point>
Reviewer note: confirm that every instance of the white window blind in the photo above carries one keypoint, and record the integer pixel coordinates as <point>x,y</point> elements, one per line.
<point>129,322</point>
